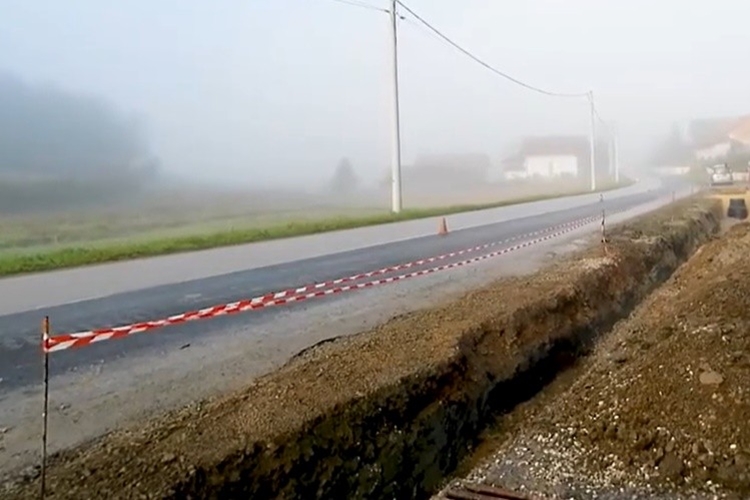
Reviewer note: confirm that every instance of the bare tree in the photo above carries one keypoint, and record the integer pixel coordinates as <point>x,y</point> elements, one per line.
<point>345,180</point>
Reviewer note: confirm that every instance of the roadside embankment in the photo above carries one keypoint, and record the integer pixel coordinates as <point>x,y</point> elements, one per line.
<point>388,413</point>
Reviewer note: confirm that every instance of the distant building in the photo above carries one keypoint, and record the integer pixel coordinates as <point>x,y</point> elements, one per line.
<point>740,133</point>
<point>717,139</point>
<point>554,157</point>
<point>448,172</point>
<point>673,170</point>
<point>513,168</point>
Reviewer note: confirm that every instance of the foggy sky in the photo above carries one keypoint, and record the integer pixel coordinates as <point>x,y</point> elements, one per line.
<point>275,91</point>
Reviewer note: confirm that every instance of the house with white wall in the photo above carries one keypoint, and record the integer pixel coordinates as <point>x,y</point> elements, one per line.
<point>550,157</point>
<point>713,152</point>
<point>551,165</point>
<point>715,140</point>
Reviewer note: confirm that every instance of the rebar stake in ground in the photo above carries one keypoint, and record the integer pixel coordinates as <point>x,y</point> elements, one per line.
<point>482,492</point>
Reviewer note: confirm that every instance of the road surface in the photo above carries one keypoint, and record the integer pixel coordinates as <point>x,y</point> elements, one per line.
<point>104,385</point>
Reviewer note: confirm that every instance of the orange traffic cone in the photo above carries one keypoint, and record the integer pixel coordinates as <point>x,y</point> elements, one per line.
<point>443,227</point>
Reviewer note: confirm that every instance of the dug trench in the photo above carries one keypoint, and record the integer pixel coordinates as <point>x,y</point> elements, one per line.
<point>391,412</point>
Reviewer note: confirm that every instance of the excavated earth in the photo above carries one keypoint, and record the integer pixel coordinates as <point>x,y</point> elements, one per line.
<point>391,412</point>
<point>661,409</point>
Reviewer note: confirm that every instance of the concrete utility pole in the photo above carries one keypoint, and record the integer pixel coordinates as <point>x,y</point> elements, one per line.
<point>593,140</point>
<point>396,141</point>
<point>610,150</point>
<point>615,147</point>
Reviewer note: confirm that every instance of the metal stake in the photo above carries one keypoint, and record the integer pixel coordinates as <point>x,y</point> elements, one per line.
<point>45,412</point>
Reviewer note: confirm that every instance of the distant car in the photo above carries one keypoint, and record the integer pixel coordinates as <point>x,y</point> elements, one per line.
<point>737,208</point>
<point>721,175</point>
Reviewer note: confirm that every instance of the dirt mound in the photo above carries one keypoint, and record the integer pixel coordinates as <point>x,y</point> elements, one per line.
<point>387,413</point>
<point>677,398</point>
<point>663,406</point>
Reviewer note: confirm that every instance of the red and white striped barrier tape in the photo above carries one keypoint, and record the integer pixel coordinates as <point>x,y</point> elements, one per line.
<point>80,339</point>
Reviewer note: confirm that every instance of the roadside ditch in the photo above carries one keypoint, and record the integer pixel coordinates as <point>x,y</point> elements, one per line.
<point>659,408</point>
<point>393,411</point>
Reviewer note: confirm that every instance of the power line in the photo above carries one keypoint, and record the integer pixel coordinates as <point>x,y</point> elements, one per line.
<point>484,64</point>
<point>363,5</point>
<point>421,27</point>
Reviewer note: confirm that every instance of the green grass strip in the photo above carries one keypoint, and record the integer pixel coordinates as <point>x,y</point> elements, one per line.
<point>76,256</point>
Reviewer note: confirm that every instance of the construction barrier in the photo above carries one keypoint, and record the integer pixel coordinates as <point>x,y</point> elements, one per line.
<point>84,338</point>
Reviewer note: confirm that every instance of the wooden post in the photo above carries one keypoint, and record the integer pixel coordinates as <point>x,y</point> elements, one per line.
<point>45,412</point>
<point>604,233</point>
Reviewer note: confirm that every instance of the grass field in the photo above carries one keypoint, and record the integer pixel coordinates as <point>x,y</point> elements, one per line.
<point>44,242</point>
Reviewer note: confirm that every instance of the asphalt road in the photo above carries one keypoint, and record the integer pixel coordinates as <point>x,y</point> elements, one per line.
<point>19,332</point>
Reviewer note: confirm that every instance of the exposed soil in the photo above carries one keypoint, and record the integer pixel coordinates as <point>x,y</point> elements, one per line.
<point>389,412</point>
<point>661,408</point>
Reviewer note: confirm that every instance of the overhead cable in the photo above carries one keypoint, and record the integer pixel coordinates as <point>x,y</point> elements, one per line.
<point>484,64</point>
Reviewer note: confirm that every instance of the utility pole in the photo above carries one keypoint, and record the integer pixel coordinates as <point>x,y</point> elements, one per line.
<point>616,148</point>
<point>396,140</point>
<point>593,140</point>
<point>610,150</point>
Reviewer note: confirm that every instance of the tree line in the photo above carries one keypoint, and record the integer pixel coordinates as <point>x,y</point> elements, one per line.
<point>62,146</point>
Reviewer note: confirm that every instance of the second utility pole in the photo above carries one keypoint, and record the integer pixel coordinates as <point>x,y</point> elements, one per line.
<point>396,140</point>
<point>616,148</point>
<point>593,140</point>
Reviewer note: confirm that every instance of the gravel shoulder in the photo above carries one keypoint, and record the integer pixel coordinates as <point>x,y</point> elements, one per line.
<point>659,410</point>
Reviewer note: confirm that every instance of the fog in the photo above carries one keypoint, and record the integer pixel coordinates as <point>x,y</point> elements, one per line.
<point>278,92</point>
<point>44,130</point>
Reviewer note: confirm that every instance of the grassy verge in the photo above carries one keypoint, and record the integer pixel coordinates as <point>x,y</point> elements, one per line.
<point>13,263</point>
